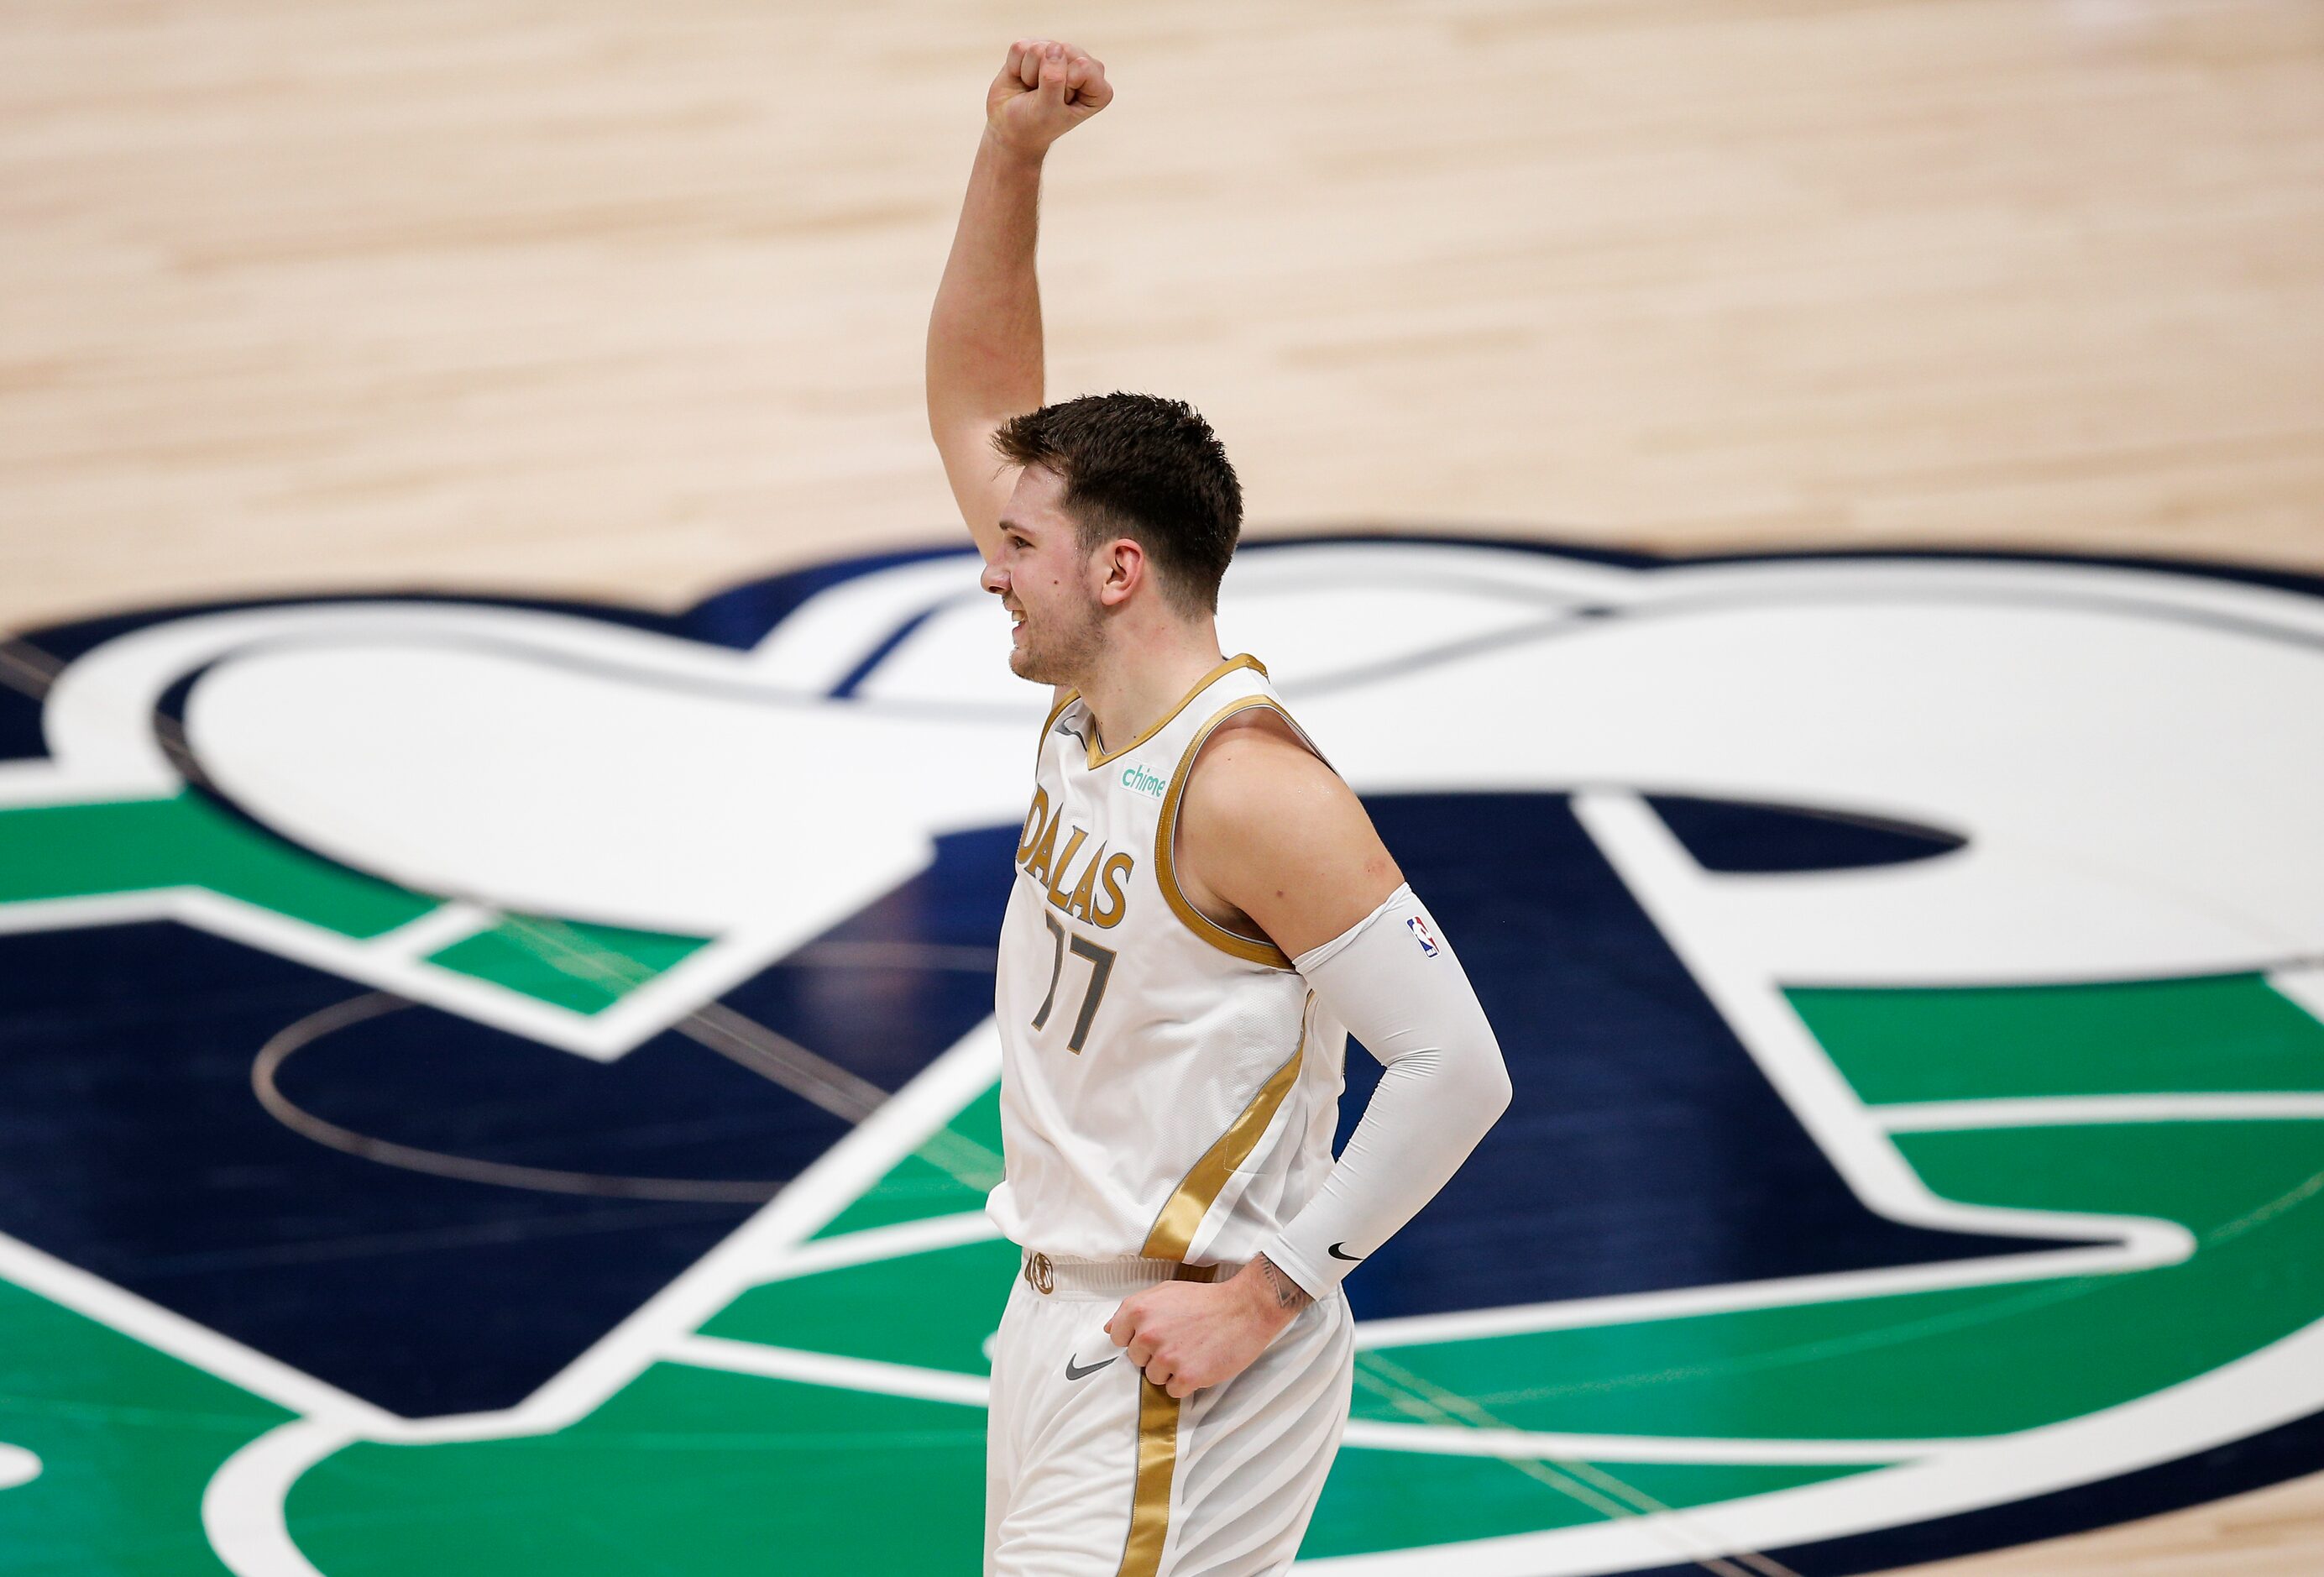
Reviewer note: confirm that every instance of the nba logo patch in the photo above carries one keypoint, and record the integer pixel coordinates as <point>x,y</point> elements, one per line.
<point>1420,935</point>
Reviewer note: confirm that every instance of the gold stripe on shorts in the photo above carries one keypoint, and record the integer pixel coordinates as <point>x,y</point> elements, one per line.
<point>1149,1501</point>
<point>1183,1212</point>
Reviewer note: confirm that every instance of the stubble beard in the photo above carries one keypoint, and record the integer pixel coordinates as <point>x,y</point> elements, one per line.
<point>1064,657</point>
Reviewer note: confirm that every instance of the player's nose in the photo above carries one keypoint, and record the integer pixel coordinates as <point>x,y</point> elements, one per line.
<point>994,578</point>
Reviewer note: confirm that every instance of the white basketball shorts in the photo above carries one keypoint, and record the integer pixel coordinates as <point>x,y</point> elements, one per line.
<point>1093,1470</point>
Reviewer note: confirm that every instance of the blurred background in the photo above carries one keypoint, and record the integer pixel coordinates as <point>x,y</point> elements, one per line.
<point>627,303</point>
<point>617,300</point>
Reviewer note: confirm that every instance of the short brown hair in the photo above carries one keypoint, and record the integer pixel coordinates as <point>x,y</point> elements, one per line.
<point>1142,466</point>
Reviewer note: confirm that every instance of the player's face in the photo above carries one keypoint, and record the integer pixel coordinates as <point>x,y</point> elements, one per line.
<point>1042,577</point>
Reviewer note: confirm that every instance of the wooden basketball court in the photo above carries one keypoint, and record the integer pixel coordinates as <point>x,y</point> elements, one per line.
<point>628,303</point>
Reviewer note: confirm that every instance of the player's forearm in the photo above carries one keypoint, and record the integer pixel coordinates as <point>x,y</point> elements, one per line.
<point>1401,991</point>
<point>1426,1117</point>
<point>985,334</point>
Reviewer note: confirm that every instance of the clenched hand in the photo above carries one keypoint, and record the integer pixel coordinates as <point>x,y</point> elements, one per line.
<point>1047,88</point>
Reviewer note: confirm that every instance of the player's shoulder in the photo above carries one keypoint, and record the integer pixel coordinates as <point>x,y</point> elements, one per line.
<point>1268,827</point>
<point>1256,780</point>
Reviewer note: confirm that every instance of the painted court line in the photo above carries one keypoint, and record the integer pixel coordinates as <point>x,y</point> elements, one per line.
<point>187,1340</point>
<point>761,1246</point>
<point>243,1507</point>
<point>1442,1440</point>
<point>824,1368</point>
<point>439,929</point>
<point>2060,1111</point>
<point>2301,982</point>
<point>935,1385</point>
<point>1662,877</point>
<point>1776,1292</point>
<point>2274,1385</point>
<point>1672,889</point>
<point>876,1243</point>
<point>17,1466</point>
<point>243,1504</point>
<point>1687,1533</point>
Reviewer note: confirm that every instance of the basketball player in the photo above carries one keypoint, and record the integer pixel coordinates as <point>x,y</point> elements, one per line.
<point>1202,914</point>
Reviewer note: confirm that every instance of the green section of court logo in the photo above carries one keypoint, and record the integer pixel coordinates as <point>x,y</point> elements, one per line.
<point>146,847</point>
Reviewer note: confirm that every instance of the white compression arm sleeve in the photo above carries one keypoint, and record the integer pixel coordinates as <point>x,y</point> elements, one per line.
<point>1392,979</point>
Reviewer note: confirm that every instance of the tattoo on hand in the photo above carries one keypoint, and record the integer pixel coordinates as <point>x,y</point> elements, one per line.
<point>1289,1294</point>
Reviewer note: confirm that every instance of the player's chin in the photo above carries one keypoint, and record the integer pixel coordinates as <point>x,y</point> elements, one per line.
<point>1027,664</point>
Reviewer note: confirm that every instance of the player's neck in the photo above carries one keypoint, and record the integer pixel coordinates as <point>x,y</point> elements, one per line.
<point>1137,681</point>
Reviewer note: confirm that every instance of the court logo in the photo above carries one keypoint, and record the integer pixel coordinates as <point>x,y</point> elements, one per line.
<point>500,1035</point>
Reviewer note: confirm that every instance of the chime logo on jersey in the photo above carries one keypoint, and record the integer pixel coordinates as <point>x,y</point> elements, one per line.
<point>503,1033</point>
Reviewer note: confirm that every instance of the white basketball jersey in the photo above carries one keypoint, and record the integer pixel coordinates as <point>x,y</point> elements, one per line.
<point>1167,1087</point>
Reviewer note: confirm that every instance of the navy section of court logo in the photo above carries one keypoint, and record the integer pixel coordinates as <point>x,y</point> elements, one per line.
<point>416,989</point>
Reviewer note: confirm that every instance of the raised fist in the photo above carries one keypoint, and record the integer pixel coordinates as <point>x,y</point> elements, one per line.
<point>1045,90</point>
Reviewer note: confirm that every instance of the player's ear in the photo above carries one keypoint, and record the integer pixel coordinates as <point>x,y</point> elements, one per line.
<point>1126,566</point>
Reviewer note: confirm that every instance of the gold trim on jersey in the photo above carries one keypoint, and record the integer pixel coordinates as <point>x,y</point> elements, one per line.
<point>1149,1498</point>
<point>1050,721</point>
<point>1183,1213</point>
<point>1255,949</point>
<point>1241,659</point>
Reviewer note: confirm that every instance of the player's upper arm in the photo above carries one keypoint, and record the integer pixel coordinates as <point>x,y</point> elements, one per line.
<point>1282,837</point>
<point>981,481</point>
